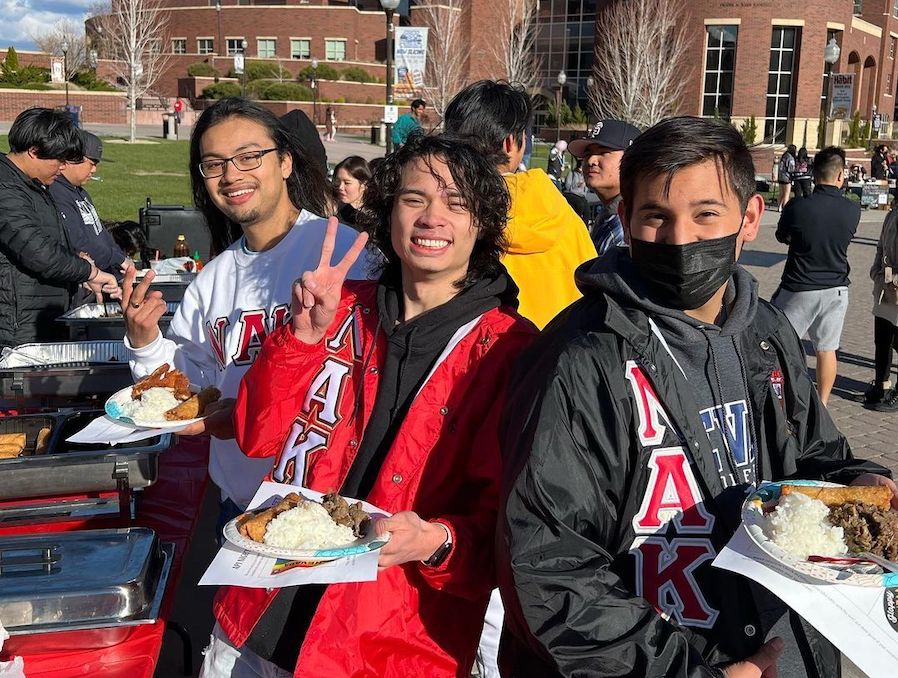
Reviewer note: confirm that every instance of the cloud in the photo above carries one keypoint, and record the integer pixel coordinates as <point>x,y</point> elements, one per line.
<point>24,18</point>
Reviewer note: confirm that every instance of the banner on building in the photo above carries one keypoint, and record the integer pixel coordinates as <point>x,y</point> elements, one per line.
<point>410,53</point>
<point>841,95</point>
<point>56,70</point>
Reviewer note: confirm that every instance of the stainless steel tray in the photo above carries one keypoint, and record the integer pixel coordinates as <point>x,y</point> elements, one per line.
<point>69,468</point>
<point>66,352</point>
<point>87,322</point>
<point>82,580</point>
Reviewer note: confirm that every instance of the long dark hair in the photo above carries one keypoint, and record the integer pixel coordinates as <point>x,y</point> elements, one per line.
<point>307,186</point>
<point>481,187</point>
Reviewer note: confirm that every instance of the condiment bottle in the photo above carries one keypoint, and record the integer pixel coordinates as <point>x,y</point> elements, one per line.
<point>181,248</point>
<point>198,261</point>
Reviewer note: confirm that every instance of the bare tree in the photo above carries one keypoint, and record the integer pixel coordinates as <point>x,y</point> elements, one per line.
<point>65,32</point>
<point>447,52</point>
<point>514,47</point>
<point>641,67</point>
<point>133,33</point>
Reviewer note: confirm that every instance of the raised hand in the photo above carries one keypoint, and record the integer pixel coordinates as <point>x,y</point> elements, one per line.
<point>142,310</point>
<point>317,293</point>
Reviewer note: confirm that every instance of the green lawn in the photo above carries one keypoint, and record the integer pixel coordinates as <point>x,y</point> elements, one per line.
<point>157,170</point>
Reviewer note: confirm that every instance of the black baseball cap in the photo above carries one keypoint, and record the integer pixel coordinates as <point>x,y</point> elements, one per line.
<point>614,134</point>
<point>93,147</point>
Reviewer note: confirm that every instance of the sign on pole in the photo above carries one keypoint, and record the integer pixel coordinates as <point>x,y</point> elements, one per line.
<point>841,95</point>
<point>238,63</point>
<point>410,52</point>
<point>391,114</point>
<point>56,74</point>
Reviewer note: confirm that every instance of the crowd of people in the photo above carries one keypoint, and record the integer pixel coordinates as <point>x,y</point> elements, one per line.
<point>561,421</point>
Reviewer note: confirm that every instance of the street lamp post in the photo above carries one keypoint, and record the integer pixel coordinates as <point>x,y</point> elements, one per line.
<point>389,7</point>
<point>561,79</point>
<point>219,44</point>
<point>590,82</point>
<point>65,70</point>
<point>831,54</point>
<point>313,83</point>
<point>244,44</point>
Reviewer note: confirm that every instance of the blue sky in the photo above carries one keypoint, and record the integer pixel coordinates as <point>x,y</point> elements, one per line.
<point>22,18</point>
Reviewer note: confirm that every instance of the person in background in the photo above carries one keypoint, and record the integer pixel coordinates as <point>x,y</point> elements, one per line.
<point>547,240</point>
<point>350,178</point>
<point>556,164</point>
<point>601,151</point>
<point>803,175</point>
<point>884,273</point>
<point>879,163</point>
<point>261,196</point>
<point>330,118</point>
<point>306,137</point>
<point>575,182</point>
<point>130,239</point>
<point>813,292</point>
<point>79,216</point>
<point>408,420</point>
<point>635,425</point>
<point>784,175</point>
<point>409,123</point>
<point>38,266</point>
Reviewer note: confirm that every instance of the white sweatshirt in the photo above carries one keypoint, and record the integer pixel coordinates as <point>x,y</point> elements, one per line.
<point>235,302</point>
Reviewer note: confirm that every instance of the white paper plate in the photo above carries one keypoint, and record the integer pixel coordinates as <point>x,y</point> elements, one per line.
<point>113,408</point>
<point>767,495</point>
<point>370,542</point>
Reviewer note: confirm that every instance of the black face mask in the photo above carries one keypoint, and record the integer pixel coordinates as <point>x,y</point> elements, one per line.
<point>685,277</point>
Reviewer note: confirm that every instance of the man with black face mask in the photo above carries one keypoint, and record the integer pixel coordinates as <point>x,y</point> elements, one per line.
<point>634,426</point>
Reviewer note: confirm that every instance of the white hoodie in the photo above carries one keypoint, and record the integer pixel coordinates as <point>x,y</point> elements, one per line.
<point>235,302</point>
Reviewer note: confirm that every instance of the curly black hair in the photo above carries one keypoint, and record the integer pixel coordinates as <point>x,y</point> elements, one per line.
<point>481,187</point>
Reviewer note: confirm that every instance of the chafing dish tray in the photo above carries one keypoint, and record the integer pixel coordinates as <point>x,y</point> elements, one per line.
<point>82,580</point>
<point>69,468</point>
<point>172,285</point>
<point>104,321</point>
<point>64,369</point>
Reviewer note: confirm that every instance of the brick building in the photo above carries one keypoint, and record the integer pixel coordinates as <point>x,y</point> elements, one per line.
<point>765,58</point>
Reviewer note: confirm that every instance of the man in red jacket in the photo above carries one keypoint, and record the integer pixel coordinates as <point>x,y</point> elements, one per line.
<point>390,391</point>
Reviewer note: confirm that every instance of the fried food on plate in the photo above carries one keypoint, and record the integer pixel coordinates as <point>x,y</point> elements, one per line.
<point>253,525</point>
<point>43,439</point>
<point>164,377</point>
<point>343,514</point>
<point>194,406</point>
<point>11,445</point>
<point>875,495</point>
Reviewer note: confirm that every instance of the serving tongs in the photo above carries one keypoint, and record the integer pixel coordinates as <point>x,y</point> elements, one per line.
<point>858,559</point>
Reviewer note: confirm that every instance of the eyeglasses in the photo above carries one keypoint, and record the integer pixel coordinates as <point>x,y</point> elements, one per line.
<point>243,162</point>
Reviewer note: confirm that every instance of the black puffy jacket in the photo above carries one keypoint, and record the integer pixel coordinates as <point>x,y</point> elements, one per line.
<point>602,446</point>
<point>38,269</point>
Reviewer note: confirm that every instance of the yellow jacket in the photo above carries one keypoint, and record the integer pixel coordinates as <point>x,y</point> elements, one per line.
<point>547,241</point>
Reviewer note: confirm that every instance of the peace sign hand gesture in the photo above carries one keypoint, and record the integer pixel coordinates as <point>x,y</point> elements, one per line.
<point>317,293</point>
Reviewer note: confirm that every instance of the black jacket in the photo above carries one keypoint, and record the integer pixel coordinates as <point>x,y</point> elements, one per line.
<point>83,226</point>
<point>37,266</point>
<point>818,229</point>
<point>599,428</point>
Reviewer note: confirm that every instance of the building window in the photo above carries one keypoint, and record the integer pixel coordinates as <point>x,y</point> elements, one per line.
<point>335,50</point>
<point>266,48</point>
<point>783,49</point>
<point>300,48</point>
<point>858,7</point>
<point>720,64</point>
<point>179,45</point>
<point>235,45</point>
<point>893,41</point>
<point>888,91</point>
<point>895,8</point>
<point>205,46</point>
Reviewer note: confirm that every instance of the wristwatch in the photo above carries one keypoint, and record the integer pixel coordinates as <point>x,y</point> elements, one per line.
<point>439,556</point>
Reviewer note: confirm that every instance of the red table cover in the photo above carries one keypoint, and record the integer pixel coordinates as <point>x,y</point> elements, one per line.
<point>171,507</point>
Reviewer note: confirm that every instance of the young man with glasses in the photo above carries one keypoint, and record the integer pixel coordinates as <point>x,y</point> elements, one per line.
<point>261,198</point>
<point>79,216</point>
<point>38,266</point>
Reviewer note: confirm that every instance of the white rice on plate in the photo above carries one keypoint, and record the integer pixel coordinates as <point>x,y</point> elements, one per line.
<point>800,526</point>
<point>152,405</point>
<point>308,526</point>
